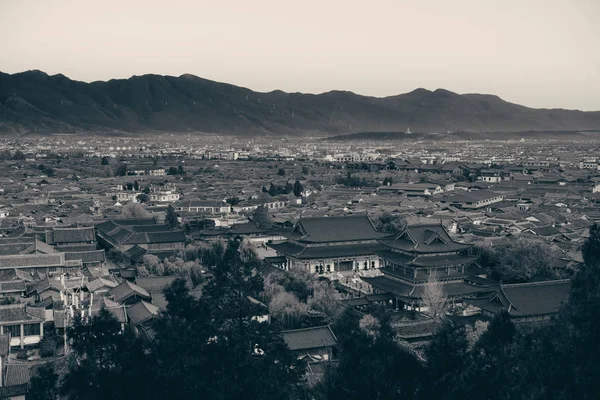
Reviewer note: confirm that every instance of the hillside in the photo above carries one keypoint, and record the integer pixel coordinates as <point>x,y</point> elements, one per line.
<point>33,101</point>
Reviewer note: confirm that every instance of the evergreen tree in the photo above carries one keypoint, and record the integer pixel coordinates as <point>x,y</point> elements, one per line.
<point>44,384</point>
<point>171,218</point>
<point>298,188</point>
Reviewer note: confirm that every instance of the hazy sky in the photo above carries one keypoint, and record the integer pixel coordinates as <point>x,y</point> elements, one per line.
<point>540,53</point>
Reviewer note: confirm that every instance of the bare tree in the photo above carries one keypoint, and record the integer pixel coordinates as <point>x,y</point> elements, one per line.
<point>433,297</point>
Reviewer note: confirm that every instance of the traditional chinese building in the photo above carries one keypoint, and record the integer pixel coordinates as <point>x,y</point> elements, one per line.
<point>420,251</point>
<point>332,244</point>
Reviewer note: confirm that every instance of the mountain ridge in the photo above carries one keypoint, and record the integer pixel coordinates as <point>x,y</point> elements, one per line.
<point>33,101</point>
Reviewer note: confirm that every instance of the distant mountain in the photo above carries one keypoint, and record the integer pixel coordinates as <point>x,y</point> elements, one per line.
<point>33,101</point>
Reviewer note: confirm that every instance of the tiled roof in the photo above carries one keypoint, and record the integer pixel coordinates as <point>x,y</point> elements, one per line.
<point>309,338</point>
<point>87,257</point>
<point>118,233</point>
<point>127,289</point>
<point>4,344</point>
<point>155,283</point>
<point>115,309</point>
<point>337,229</point>
<point>16,374</point>
<point>142,312</point>
<point>32,260</point>
<point>537,298</point>
<point>99,283</point>
<point>76,248</point>
<point>71,235</point>
<point>417,329</point>
<point>425,238</point>
<point>12,287</point>
<point>18,313</point>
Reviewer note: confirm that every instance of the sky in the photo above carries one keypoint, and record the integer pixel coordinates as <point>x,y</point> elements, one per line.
<point>539,53</point>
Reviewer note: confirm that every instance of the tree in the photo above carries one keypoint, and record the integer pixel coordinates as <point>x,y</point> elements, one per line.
<point>142,197</point>
<point>121,169</point>
<point>129,186</point>
<point>281,172</point>
<point>106,362</point>
<point>44,384</point>
<point>371,364</point>
<point>234,200</point>
<point>261,218</point>
<point>387,181</point>
<point>19,155</point>
<point>180,170</point>
<point>447,357</point>
<point>104,161</point>
<point>172,171</point>
<point>171,218</point>
<point>305,170</point>
<point>134,210</point>
<point>389,223</point>
<point>518,260</point>
<point>434,298</point>
<point>298,189</point>
<point>136,185</point>
<point>153,265</point>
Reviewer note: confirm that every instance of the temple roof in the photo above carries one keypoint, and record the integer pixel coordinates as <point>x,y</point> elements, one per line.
<point>309,338</point>
<point>536,298</point>
<point>309,253</point>
<point>405,289</point>
<point>426,238</point>
<point>335,229</point>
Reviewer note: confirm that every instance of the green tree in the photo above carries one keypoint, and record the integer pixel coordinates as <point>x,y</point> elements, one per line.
<point>390,223</point>
<point>142,197</point>
<point>44,384</point>
<point>171,218</point>
<point>121,169</point>
<point>104,161</point>
<point>107,363</point>
<point>298,189</point>
<point>261,218</point>
<point>371,364</point>
<point>518,260</point>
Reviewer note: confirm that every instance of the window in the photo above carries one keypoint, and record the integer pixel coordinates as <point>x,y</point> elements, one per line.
<point>13,330</point>
<point>31,329</point>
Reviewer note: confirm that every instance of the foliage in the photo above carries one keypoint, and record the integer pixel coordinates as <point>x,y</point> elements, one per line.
<point>134,210</point>
<point>234,200</point>
<point>298,189</point>
<point>390,223</point>
<point>142,197</point>
<point>261,218</point>
<point>351,180</point>
<point>50,341</point>
<point>518,260</point>
<point>44,384</point>
<point>121,169</point>
<point>171,218</point>
<point>106,362</point>
<point>276,190</point>
<point>370,366</point>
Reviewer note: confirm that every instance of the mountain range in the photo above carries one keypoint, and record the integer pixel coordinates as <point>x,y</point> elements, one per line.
<point>35,102</point>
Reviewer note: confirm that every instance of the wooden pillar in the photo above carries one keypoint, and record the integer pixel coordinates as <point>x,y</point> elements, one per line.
<point>22,336</point>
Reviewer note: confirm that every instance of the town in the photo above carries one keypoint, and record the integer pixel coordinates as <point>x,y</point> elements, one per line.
<point>411,241</point>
